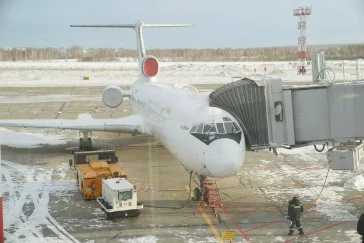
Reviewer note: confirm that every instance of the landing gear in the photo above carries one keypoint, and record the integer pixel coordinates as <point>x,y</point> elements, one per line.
<point>199,191</point>
<point>85,143</point>
<point>202,179</point>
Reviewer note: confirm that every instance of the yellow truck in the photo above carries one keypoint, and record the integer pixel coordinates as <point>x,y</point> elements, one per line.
<point>93,166</point>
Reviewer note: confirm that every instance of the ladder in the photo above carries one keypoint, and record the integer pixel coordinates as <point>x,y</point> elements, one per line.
<point>210,197</point>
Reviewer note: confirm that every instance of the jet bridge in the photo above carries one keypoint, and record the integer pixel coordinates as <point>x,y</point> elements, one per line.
<point>245,100</point>
<point>272,115</point>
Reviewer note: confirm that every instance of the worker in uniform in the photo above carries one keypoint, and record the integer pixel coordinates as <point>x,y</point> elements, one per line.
<point>295,209</point>
<point>360,226</point>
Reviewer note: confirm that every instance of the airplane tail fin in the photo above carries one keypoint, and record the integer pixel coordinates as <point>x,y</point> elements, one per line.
<point>148,65</point>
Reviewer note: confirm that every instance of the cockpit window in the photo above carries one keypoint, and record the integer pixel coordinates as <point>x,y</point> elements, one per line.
<point>207,132</point>
<point>209,127</point>
<point>199,129</point>
<point>229,127</point>
<point>220,128</point>
<point>225,127</point>
<point>194,128</point>
<point>236,127</point>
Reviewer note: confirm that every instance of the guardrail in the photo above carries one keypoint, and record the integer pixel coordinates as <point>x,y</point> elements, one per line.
<point>353,70</point>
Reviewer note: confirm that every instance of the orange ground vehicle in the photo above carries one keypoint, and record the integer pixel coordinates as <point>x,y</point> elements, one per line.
<point>93,166</point>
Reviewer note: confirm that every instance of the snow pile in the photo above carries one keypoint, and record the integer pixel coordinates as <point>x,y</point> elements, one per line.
<point>307,153</point>
<point>356,183</point>
<point>353,235</point>
<point>61,172</point>
<point>312,175</point>
<point>28,140</point>
<point>143,239</point>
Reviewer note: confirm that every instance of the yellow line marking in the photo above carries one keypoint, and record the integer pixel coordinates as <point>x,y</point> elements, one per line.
<point>212,227</point>
<point>207,219</point>
<point>166,190</point>
<point>188,190</point>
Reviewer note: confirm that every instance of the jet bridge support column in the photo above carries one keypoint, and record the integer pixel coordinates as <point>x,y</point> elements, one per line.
<point>318,66</point>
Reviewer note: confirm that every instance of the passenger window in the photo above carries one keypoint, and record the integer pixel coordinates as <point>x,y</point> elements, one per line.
<point>194,128</point>
<point>207,127</point>
<point>220,128</point>
<point>199,129</point>
<point>229,127</point>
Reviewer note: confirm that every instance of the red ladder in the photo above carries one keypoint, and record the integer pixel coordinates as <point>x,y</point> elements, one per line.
<point>210,197</point>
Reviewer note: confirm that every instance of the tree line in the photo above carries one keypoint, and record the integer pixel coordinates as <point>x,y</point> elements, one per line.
<point>333,52</point>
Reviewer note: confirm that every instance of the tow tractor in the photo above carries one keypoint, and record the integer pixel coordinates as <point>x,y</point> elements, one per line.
<point>92,167</point>
<point>119,199</point>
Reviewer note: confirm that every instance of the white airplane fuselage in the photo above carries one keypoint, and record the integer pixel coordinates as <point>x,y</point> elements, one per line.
<point>170,113</point>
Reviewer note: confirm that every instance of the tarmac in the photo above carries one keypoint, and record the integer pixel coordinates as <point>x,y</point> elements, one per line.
<point>42,202</point>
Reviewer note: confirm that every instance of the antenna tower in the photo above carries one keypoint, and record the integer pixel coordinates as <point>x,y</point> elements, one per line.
<point>302,13</point>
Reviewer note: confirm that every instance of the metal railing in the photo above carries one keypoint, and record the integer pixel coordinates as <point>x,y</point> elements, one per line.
<point>352,70</point>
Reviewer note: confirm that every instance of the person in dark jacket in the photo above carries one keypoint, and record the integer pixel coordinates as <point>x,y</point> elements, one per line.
<point>295,209</point>
<point>360,226</point>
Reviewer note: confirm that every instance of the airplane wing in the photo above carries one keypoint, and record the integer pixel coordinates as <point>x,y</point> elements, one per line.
<point>84,123</point>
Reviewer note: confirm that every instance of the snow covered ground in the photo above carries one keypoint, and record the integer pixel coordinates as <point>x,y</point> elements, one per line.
<point>70,73</point>
<point>32,185</point>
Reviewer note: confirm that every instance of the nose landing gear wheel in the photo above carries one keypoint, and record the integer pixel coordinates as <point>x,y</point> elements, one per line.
<point>85,145</point>
<point>89,145</point>
<point>81,144</point>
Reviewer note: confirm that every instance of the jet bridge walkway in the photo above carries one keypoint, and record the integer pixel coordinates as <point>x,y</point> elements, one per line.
<point>272,115</point>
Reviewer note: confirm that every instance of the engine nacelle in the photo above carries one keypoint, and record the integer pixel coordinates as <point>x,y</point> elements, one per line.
<point>112,96</point>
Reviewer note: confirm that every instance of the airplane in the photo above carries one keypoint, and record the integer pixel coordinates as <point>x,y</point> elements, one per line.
<point>206,140</point>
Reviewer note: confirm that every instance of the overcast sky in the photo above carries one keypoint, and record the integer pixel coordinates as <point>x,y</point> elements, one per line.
<point>218,23</point>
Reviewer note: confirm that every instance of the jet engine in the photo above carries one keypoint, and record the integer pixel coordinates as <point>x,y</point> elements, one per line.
<point>112,96</point>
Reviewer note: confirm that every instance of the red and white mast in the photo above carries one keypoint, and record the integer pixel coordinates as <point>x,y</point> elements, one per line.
<point>302,13</point>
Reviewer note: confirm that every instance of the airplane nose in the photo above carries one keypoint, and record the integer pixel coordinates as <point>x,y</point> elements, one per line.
<point>230,156</point>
